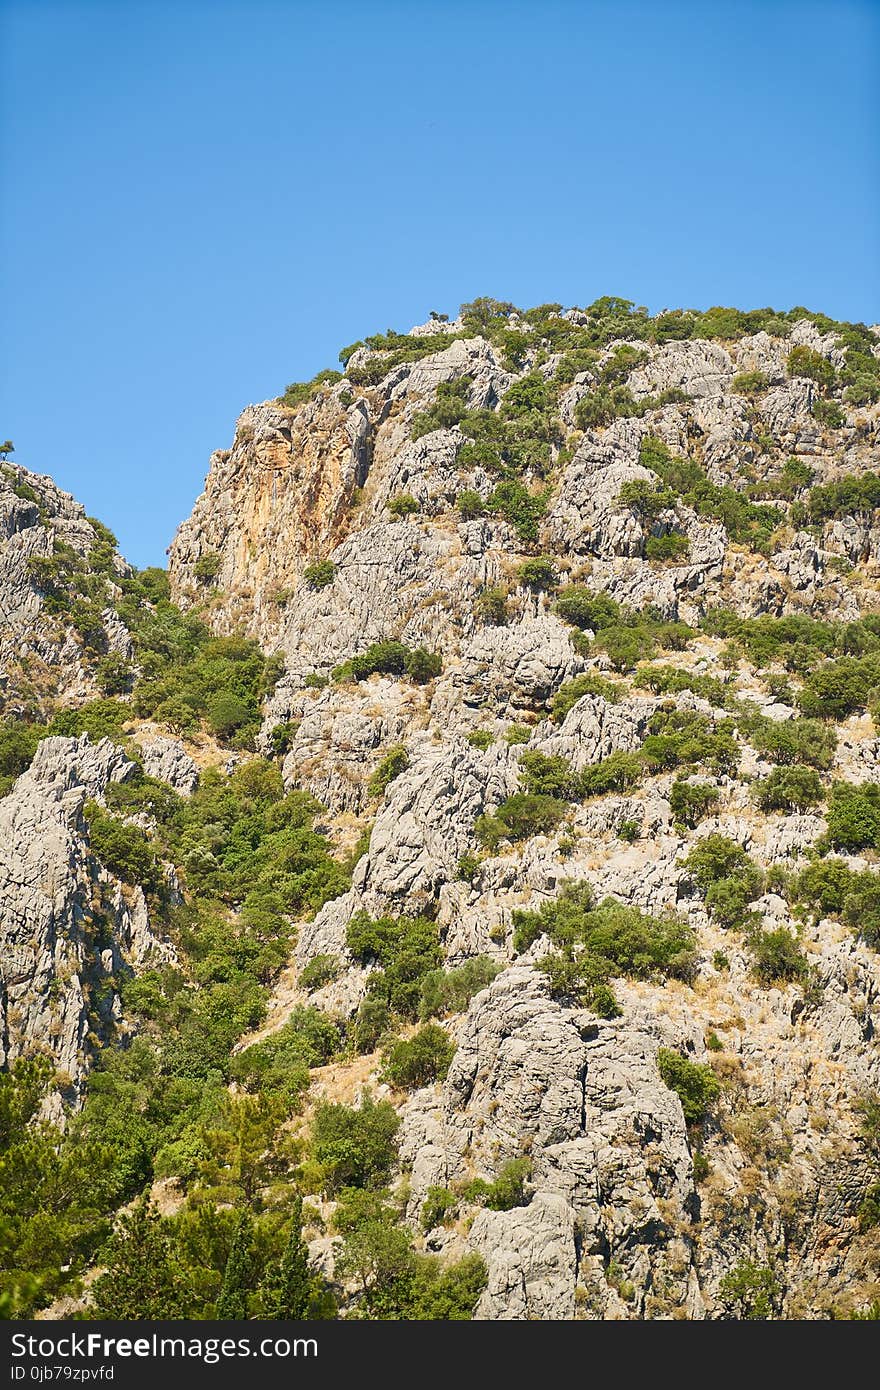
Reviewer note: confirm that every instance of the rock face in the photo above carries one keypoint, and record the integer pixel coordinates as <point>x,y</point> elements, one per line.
<point>440,499</point>
<point>627,1212</point>
<point>68,930</point>
<point>42,658</point>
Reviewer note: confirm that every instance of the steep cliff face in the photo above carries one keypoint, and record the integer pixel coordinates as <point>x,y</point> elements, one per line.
<point>69,930</point>
<point>674,479</point>
<point>577,618</point>
<point>52,558</point>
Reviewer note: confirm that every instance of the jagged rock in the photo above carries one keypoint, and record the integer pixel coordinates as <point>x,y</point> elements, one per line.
<point>168,760</point>
<point>66,929</point>
<point>516,667</point>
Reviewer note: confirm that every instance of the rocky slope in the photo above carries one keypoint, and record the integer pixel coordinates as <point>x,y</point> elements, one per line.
<point>560,598</point>
<point>612,1172</point>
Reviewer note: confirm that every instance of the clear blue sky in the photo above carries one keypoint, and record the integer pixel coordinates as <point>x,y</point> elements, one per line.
<point>206,199</point>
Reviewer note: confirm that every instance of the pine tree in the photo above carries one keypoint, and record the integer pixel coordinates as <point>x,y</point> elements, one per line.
<point>288,1285</point>
<point>140,1280</point>
<point>238,1274</point>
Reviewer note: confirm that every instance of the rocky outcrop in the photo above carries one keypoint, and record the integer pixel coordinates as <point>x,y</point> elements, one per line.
<point>68,930</point>
<point>42,658</point>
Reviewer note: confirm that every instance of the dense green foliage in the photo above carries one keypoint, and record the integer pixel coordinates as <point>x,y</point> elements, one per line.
<point>592,943</point>
<point>696,1085</point>
<point>391,659</point>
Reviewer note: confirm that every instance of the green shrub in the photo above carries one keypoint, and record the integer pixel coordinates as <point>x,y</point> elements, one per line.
<point>828,413</point>
<point>420,1060</point>
<point>404,950</point>
<point>690,802</point>
<point>423,666</point>
<point>805,361</point>
<point>404,504</point>
<point>589,683</point>
<point>853,494</point>
<point>596,942</point>
<point>355,1147</point>
<point>123,849</point>
<point>450,991</point>
<point>615,773</point>
<point>506,1192</point>
<point>319,971</point>
<point>696,1086</point>
<point>667,548</point>
<point>539,574</point>
<point>519,818</point>
<point>18,744</point>
<point>584,609</point>
<point>467,868</point>
<point>726,876</point>
<point>319,574</point>
<point>750,1292</point>
<point>750,383</point>
<point>207,566</point>
<point>99,719</point>
<point>439,1207</point>
<point>854,816</point>
<point>792,788</point>
<point>490,607</point>
<point>396,760</point>
<point>481,738</point>
<point>470,505</point>
<point>449,408</point>
<point>777,957</point>
<point>519,506</point>
<point>281,737</point>
<point>393,659</point>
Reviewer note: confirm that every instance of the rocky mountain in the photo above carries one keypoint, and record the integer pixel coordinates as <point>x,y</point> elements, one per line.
<point>499,768</point>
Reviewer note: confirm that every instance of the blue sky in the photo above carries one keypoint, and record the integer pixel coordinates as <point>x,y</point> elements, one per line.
<point>204,201</point>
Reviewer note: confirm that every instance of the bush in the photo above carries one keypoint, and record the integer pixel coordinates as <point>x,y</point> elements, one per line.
<point>854,816</point>
<point>319,574</point>
<point>517,505</point>
<point>207,566</point>
<point>777,957</point>
<point>539,574</point>
<point>355,1147</point>
<point>589,683</point>
<point>828,413</point>
<point>506,1192</point>
<point>805,361</point>
<point>490,607</point>
<point>449,408</point>
<point>749,1292</point>
<point>470,505</point>
<point>690,802</point>
<point>696,1086</point>
<point>123,849</point>
<point>396,760</point>
<point>450,991</point>
<point>18,744</point>
<point>405,950</point>
<point>519,818</point>
<point>422,666</point>
<point>727,878</point>
<point>404,504</point>
<point>791,788</point>
<point>667,548</point>
<point>420,1060</point>
<point>392,659</point>
<point>439,1206</point>
<point>596,942</point>
<point>319,971</point>
<point>583,609</point>
<point>750,383</point>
